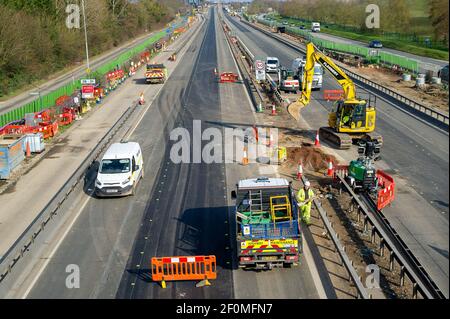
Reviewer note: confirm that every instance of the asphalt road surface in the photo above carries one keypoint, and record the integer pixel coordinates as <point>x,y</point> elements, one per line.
<point>415,153</point>
<point>178,209</point>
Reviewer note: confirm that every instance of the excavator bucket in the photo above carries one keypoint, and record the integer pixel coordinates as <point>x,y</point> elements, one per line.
<point>294,109</point>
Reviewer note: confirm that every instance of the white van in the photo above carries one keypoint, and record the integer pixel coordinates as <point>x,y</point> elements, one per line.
<point>120,170</point>
<point>297,66</point>
<point>315,27</point>
<point>272,64</point>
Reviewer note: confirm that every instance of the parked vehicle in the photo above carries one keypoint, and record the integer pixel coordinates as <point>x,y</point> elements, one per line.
<point>375,44</point>
<point>281,29</point>
<point>315,27</point>
<point>267,223</point>
<point>298,67</point>
<point>156,73</point>
<point>120,170</point>
<point>272,64</point>
<point>287,82</point>
<point>443,74</point>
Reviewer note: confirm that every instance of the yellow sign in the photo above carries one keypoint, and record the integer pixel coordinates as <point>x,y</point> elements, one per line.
<point>281,243</point>
<point>88,71</point>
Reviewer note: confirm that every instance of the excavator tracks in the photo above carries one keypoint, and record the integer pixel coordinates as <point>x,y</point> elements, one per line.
<point>344,140</point>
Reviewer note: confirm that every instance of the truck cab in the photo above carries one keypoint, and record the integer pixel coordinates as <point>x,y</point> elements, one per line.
<point>315,27</point>
<point>287,80</point>
<point>267,223</point>
<point>298,66</point>
<point>156,73</point>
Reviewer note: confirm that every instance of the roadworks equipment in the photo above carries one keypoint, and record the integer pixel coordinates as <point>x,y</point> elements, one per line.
<point>201,268</point>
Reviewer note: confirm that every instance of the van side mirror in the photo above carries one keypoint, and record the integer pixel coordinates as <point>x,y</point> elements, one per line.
<point>233,195</point>
<point>136,168</point>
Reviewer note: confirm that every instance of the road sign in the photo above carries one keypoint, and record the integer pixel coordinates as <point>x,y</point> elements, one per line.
<point>260,70</point>
<point>87,81</point>
<point>87,91</point>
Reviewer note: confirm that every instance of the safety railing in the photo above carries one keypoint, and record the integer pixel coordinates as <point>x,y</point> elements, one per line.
<point>24,245</point>
<point>286,229</point>
<point>49,99</point>
<point>377,88</point>
<point>376,225</point>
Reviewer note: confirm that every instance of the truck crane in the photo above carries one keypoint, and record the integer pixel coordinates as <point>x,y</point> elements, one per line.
<point>351,119</point>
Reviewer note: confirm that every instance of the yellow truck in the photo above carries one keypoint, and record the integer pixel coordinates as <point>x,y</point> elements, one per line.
<point>267,223</point>
<point>156,73</point>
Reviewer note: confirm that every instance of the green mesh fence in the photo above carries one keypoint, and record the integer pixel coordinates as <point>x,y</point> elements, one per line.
<point>49,99</point>
<point>381,58</point>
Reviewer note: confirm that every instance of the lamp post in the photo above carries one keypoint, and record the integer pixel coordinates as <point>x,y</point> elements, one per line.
<point>88,70</point>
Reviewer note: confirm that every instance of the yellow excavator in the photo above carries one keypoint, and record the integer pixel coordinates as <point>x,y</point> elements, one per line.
<point>351,119</point>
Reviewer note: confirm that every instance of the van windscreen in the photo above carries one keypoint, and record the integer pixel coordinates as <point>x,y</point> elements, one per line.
<point>272,61</point>
<point>115,166</point>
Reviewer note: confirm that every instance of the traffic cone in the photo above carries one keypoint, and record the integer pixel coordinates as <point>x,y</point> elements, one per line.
<point>28,150</point>
<point>141,99</point>
<point>260,110</point>
<point>274,109</point>
<point>299,171</point>
<point>330,169</point>
<point>317,141</point>
<point>245,157</point>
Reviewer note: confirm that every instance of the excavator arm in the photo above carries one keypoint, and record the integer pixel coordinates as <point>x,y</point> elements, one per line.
<point>312,56</point>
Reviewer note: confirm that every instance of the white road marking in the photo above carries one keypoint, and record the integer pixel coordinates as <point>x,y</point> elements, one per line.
<point>58,244</point>
<point>55,248</point>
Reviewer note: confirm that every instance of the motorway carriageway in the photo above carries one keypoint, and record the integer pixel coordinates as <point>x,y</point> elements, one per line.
<point>414,153</point>
<point>178,209</point>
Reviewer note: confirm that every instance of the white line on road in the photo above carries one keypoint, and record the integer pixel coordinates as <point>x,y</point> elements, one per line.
<point>58,244</point>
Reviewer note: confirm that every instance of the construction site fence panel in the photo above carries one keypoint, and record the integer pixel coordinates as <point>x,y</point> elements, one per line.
<point>183,268</point>
<point>386,193</point>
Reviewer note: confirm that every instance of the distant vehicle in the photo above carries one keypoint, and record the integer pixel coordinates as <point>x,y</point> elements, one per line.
<point>298,67</point>
<point>315,27</point>
<point>287,81</point>
<point>302,27</point>
<point>120,170</point>
<point>156,73</point>
<point>281,29</point>
<point>443,73</point>
<point>272,64</point>
<point>375,44</point>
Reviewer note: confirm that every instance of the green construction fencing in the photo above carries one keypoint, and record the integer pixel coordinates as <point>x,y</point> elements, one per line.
<point>49,99</point>
<point>380,57</point>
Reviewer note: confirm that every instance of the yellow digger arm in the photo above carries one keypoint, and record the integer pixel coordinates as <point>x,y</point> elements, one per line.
<point>312,56</point>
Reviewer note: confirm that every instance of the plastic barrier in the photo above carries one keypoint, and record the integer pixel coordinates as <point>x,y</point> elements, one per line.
<point>183,268</point>
<point>333,95</point>
<point>228,77</point>
<point>386,193</point>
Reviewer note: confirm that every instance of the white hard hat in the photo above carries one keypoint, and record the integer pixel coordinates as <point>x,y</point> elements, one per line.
<point>307,183</point>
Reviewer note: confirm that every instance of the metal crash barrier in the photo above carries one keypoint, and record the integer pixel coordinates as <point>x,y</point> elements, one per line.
<point>184,268</point>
